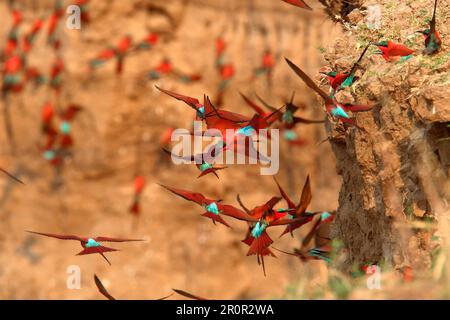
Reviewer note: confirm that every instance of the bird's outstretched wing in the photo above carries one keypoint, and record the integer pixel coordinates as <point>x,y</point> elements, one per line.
<point>11,176</point>
<point>234,212</point>
<point>108,239</point>
<point>306,121</point>
<point>58,236</point>
<point>308,81</point>
<point>305,198</point>
<point>101,288</point>
<point>284,195</point>
<point>188,195</point>
<point>188,295</point>
<point>192,102</point>
<point>298,3</point>
<point>252,104</point>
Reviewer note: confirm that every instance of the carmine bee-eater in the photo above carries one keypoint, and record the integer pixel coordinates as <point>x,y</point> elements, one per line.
<point>84,10</point>
<point>13,35</point>
<point>391,51</point>
<point>53,23</point>
<point>333,107</point>
<point>340,80</point>
<point>13,77</point>
<point>90,245</point>
<point>65,127</point>
<point>56,72</point>
<point>257,237</point>
<point>30,37</point>
<point>139,185</point>
<point>148,42</point>
<point>433,40</point>
<point>298,3</point>
<point>214,208</point>
<point>165,68</point>
<point>208,112</point>
<point>298,213</point>
<point>205,161</point>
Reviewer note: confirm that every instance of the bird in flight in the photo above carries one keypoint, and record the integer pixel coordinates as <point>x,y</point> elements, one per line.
<point>90,245</point>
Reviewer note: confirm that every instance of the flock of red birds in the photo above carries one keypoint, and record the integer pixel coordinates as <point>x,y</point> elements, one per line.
<point>17,73</point>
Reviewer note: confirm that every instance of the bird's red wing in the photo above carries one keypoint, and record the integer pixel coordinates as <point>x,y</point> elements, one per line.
<point>268,106</point>
<point>309,82</point>
<point>284,195</point>
<point>108,239</point>
<point>307,121</point>
<point>357,107</point>
<point>187,158</point>
<point>282,222</point>
<point>188,195</point>
<point>11,176</point>
<point>298,3</point>
<point>289,253</point>
<point>397,49</point>
<point>306,197</point>
<point>272,202</point>
<point>188,295</point>
<point>233,212</point>
<point>102,288</point>
<point>59,236</point>
<point>164,298</point>
<point>307,239</point>
<point>193,102</point>
<point>252,104</point>
<point>238,198</point>
<point>213,115</point>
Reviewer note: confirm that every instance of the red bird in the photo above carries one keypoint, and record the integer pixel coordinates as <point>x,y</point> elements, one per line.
<point>333,107</point>
<point>391,51</point>
<point>214,208</point>
<point>298,3</point>
<point>298,211</point>
<point>29,38</point>
<point>90,245</point>
<point>213,117</point>
<point>139,185</point>
<point>257,237</point>
<point>433,41</point>
<point>204,162</point>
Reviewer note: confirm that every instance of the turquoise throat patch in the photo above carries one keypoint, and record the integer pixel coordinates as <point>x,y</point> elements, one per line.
<point>212,207</point>
<point>92,243</point>
<point>205,166</point>
<point>258,229</point>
